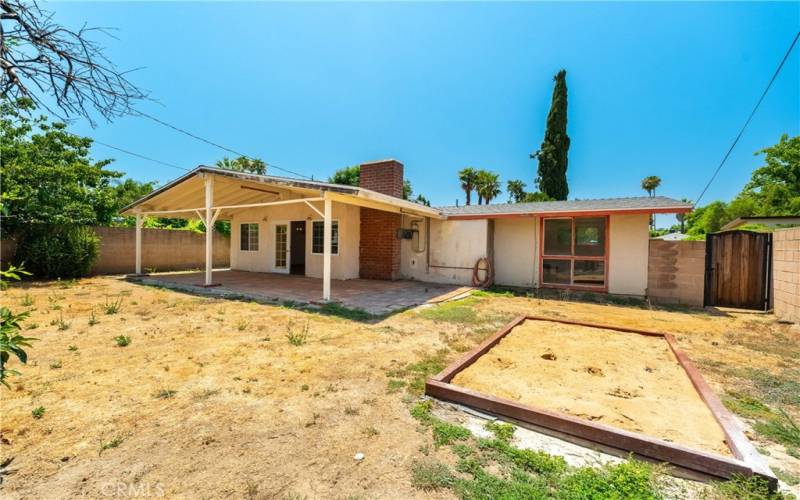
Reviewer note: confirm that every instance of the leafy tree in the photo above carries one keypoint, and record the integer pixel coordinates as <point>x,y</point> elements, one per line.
<point>48,176</point>
<point>468,178</point>
<point>774,188</point>
<point>536,196</point>
<point>516,191</point>
<point>407,190</point>
<point>552,156</point>
<point>422,200</point>
<point>349,176</point>
<point>487,186</point>
<point>11,342</point>
<point>650,183</point>
<point>243,164</point>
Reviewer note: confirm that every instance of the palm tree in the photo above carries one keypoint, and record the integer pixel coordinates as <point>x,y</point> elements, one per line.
<point>516,191</point>
<point>487,186</point>
<point>468,177</point>
<point>650,183</point>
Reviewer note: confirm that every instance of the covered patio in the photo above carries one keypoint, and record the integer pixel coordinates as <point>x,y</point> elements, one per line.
<point>372,296</point>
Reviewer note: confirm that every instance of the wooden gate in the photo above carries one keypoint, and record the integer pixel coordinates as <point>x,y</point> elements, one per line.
<point>737,269</point>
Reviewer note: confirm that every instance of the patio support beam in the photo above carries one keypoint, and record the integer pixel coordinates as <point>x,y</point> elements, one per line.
<point>327,234</point>
<point>138,243</point>
<point>209,184</point>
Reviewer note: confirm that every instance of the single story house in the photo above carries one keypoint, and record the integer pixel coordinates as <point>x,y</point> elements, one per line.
<point>331,231</point>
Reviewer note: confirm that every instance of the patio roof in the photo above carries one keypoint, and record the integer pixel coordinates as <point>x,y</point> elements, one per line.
<point>233,190</point>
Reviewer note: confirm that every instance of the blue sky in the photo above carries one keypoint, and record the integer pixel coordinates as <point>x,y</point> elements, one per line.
<point>654,89</point>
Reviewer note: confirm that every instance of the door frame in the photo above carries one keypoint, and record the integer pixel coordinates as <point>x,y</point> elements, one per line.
<point>273,251</point>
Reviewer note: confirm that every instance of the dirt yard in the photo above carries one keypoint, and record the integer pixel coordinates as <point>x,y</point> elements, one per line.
<point>625,380</point>
<point>177,395</point>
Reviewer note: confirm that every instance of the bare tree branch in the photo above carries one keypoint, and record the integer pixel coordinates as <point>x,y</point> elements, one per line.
<point>47,62</point>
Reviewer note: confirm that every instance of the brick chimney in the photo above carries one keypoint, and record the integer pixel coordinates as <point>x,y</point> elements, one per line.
<point>379,253</point>
<point>383,176</point>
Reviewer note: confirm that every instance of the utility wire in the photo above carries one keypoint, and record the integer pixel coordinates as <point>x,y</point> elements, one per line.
<point>746,123</point>
<point>224,148</point>
<point>141,156</point>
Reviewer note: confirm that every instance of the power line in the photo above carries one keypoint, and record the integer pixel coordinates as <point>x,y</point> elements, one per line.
<point>746,123</point>
<point>141,156</point>
<point>224,148</point>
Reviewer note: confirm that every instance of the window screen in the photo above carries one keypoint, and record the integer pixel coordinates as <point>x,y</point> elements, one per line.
<point>317,237</point>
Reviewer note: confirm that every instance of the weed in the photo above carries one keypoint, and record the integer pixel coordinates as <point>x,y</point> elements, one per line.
<point>349,410</point>
<point>72,348</point>
<point>336,309</point>
<point>422,411</point>
<point>631,479</point>
<point>780,389</point>
<point>395,385</point>
<point>122,340</point>
<point>242,325</point>
<point>297,338</point>
<point>421,370</point>
<point>26,300</point>
<point>60,323</point>
<point>458,311</point>
<point>371,432</point>
<point>92,318</point>
<point>782,429</point>
<point>38,412</point>
<point>528,460</point>
<point>114,443</point>
<point>746,405</point>
<point>786,476</point>
<point>793,452</point>
<point>445,433</point>
<point>55,365</point>
<point>430,475</point>
<point>462,450</point>
<point>502,431</point>
<point>112,306</point>
<point>742,487</point>
<point>304,387</point>
<point>65,284</point>
<point>32,326</point>
<point>165,394</point>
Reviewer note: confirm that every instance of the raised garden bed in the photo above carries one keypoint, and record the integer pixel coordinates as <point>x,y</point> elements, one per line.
<point>629,389</point>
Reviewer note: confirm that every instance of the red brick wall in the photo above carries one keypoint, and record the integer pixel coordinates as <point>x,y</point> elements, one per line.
<point>379,256</point>
<point>385,176</point>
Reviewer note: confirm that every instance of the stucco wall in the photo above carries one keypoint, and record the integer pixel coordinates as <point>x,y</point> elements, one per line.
<point>629,238</point>
<point>343,266</point>
<point>676,272</point>
<point>515,251</point>
<point>455,246</point>
<point>786,274</point>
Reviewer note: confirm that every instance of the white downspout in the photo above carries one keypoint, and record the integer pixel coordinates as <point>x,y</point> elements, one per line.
<point>326,256</point>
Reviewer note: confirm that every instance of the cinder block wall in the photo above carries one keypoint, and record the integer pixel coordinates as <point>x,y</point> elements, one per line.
<point>162,250</point>
<point>786,274</point>
<point>676,272</point>
<point>379,252</point>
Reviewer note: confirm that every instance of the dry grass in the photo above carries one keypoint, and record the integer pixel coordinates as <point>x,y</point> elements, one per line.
<point>210,396</point>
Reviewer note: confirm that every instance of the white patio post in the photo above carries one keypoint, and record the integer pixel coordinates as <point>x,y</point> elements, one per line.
<point>138,243</point>
<point>209,182</point>
<point>327,235</point>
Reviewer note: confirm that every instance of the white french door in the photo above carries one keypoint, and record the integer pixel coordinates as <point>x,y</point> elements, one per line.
<point>280,256</point>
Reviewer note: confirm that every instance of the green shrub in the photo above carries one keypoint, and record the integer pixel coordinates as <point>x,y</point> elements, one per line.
<point>59,251</point>
<point>429,476</point>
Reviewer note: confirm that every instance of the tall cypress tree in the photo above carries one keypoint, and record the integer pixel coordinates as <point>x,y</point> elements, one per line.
<point>552,174</point>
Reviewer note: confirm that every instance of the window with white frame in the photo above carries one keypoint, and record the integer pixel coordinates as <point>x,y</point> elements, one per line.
<point>249,237</point>
<point>317,237</point>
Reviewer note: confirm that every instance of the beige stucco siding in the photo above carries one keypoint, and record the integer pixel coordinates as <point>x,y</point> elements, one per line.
<point>455,246</point>
<point>343,266</point>
<point>629,238</point>
<point>515,251</point>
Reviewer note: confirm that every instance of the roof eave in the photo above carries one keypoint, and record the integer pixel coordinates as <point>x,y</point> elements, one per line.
<point>572,213</point>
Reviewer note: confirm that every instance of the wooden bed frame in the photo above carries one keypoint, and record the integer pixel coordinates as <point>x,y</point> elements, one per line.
<point>746,460</point>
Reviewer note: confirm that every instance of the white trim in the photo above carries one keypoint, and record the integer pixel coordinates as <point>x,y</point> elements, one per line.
<point>226,207</point>
<point>326,243</point>
<point>314,208</point>
<point>338,237</point>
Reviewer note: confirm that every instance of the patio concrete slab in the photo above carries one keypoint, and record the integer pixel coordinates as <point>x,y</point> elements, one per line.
<point>373,296</point>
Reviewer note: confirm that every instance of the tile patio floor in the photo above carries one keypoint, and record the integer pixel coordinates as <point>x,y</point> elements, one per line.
<point>373,296</point>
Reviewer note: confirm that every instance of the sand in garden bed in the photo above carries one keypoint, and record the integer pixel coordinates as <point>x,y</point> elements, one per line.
<point>625,380</point>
